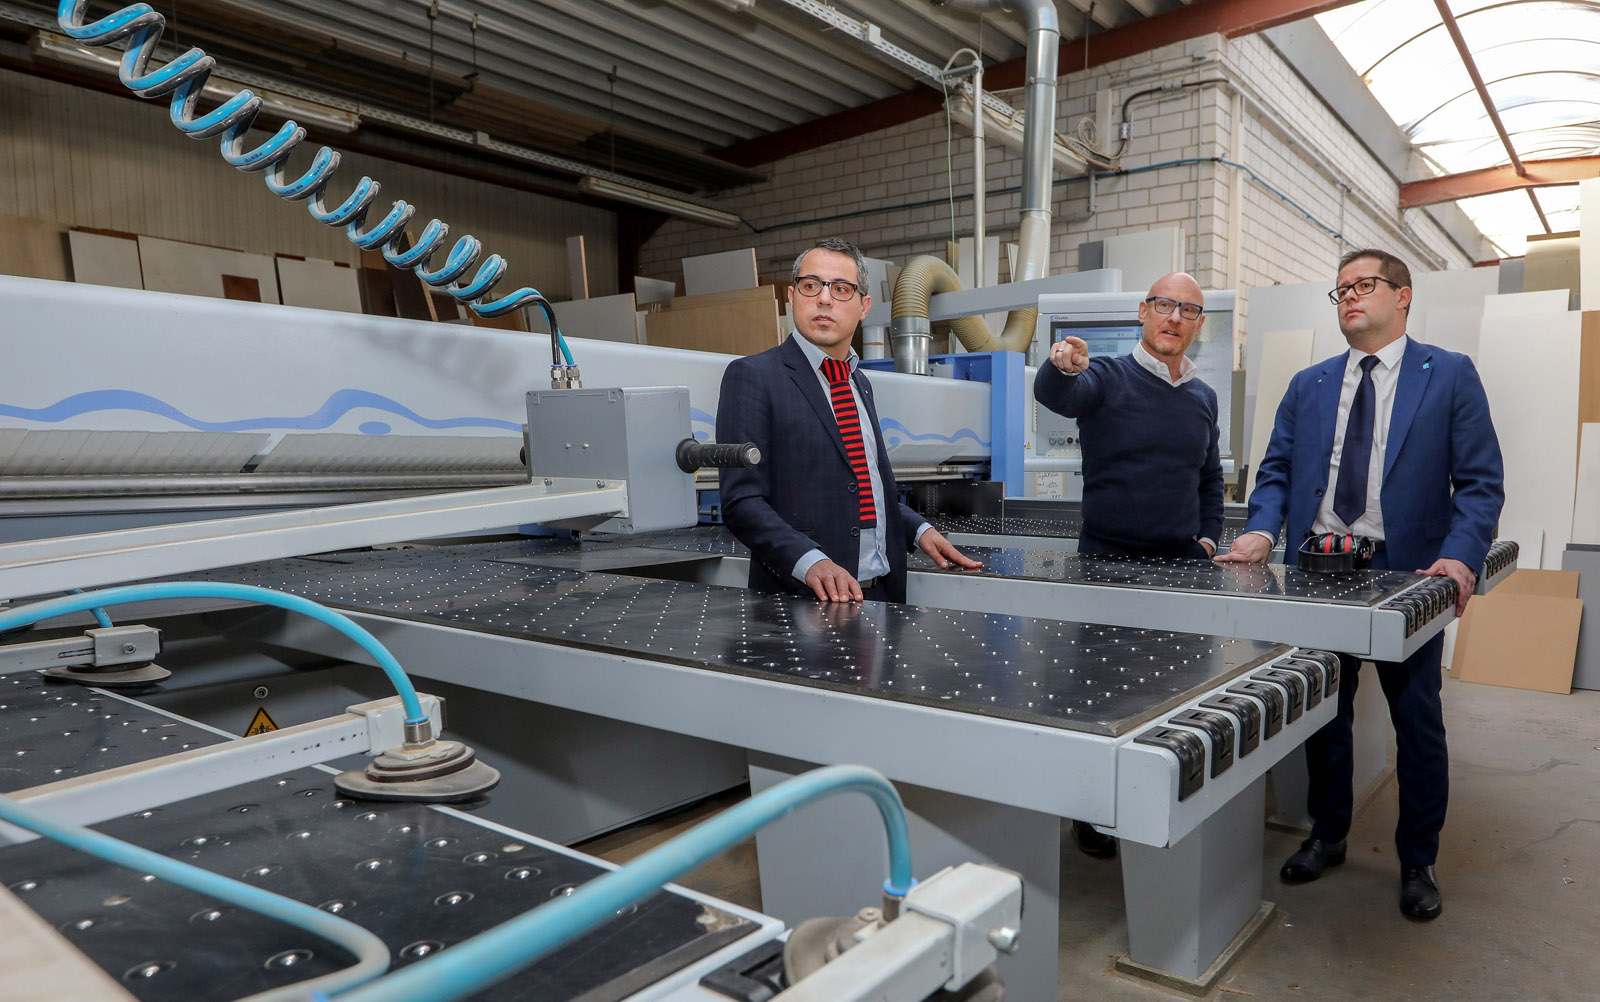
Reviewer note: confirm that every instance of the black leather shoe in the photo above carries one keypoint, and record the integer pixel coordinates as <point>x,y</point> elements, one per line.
<point>1092,842</point>
<point>1314,856</point>
<point>1419,893</point>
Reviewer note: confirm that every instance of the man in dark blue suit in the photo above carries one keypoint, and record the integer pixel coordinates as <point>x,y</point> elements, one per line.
<point>820,513</point>
<point>1391,440</point>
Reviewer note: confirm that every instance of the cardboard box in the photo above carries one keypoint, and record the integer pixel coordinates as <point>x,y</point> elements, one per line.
<point>1523,635</point>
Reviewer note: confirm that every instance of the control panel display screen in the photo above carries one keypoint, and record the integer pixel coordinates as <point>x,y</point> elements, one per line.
<point>1104,338</point>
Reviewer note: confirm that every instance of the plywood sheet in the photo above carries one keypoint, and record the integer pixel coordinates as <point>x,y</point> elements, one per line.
<point>1551,263</point>
<point>1529,366</point>
<point>1589,369</point>
<point>1283,354</point>
<point>1285,308</point>
<point>1144,257</point>
<point>734,269</point>
<point>1524,641</point>
<point>736,328</point>
<point>1453,328</point>
<point>33,248</point>
<point>605,318</point>
<point>1589,244</point>
<point>1435,291</point>
<point>653,290</point>
<point>198,270</point>
<point>1586,499</point>
<point>319,285</point>
<point>101,259</point>
<point>1525,303</point>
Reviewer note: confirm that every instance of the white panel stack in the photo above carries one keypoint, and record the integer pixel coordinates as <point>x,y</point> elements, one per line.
<point>197,270</point>
<point>723,272</point>
<point>319,285</point>
<point>1589,243</point>
<point>1284,354</point>
<point>98,259</point>
<point>1276,308</point>
<point>1586,505</point>
<point>1529,364</point>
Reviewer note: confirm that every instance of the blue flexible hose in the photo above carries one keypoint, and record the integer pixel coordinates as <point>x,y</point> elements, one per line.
<point>481,961</point>
<point>158,591</point>
<point>100,617</point>
<point>371,953</point>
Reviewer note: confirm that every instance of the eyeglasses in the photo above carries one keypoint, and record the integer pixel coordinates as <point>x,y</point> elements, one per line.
<point>810,286</point>
<point>1362,286</point>
<point>1163,305</point>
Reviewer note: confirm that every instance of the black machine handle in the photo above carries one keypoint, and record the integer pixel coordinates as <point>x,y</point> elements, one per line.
<point>693,455</point>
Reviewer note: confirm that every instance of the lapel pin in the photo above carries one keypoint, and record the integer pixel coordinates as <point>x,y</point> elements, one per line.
<point>1427,365</point>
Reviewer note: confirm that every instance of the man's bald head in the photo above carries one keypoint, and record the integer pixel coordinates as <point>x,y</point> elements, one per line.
<point>1167,332</point>
<point>1179,286</point>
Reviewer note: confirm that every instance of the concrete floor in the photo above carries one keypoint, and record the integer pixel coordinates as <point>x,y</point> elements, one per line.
<point>1519,869</point>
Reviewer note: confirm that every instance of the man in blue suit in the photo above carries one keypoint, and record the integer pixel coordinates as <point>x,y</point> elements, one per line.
<point>820,513</point>
<point>1391,440</point>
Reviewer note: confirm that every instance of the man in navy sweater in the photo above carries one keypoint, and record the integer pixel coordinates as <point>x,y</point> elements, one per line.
<point>1152,472</point>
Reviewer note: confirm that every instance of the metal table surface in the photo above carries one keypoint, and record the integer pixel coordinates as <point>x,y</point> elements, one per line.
<point>1366,588</point>
<point>1103,680</point>
<point>421,878</point>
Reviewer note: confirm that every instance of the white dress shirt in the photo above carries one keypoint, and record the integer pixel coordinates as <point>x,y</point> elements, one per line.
<point>1158,368</point>
<point>1385,377</point>
<point>874,556</point>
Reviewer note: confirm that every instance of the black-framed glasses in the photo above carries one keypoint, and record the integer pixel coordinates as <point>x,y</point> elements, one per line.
<point>1362,286</point>
<point>1164,306</point>
<point>810,286</point>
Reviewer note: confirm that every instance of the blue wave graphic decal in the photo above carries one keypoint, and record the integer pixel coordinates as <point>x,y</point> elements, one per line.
<point>339,404</point>
<point>891,425</point>
<point>701,417</point>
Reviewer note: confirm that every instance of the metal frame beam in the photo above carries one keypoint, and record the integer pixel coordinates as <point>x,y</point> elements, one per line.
<point>1467,184</point>
<point>1231,18</point>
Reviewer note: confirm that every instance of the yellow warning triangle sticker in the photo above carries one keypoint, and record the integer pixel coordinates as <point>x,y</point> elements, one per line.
<point>261,723</point>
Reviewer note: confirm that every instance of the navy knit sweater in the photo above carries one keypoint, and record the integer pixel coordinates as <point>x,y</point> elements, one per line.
<point>1152,475</point>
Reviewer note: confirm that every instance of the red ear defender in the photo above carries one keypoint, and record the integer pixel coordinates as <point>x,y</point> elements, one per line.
<point>1335,553</point>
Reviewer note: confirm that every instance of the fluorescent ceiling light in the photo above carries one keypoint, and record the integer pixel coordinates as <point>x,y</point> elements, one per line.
<point>63,50</point>
<point>605,188</point>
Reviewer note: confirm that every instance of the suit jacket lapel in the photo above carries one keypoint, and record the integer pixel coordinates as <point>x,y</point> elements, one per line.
<point>1416,367</point>
<point>1330,380</point>
<point>806,381</point>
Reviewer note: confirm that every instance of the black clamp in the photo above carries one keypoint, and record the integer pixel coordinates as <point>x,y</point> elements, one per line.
<point>1219,728</point>
<point>1271,697</point>
<point>1191,752</point>
<point>1295,683</point>
<point>1246,711</point>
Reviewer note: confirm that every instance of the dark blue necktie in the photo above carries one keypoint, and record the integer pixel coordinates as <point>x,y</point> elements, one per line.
<point>1350,497</point>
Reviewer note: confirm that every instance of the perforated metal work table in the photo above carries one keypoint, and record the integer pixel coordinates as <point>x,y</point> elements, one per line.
<point>421,878</point>
<point>1005,723</point>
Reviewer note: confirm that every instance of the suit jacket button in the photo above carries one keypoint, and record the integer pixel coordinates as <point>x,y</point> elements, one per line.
<point>855,531</point>
<point>1319,492</point>
<point>851,487</point>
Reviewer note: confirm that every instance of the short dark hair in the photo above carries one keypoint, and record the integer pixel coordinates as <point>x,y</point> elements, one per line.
<point>1389,266</point>
<point>838,245</point>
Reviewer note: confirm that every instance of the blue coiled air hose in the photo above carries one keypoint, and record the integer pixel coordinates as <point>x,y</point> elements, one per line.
<point>486,958</point>
<point>158,591</point>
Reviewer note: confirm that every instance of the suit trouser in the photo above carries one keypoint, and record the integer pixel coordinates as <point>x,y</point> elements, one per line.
<point>1422,762</point>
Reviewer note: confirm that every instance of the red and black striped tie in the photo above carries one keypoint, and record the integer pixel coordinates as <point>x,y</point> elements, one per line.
<point>844,412</point>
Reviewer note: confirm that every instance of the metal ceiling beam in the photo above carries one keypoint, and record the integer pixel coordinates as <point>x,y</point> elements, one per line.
<point>1468,184</point>
<point>1231,18</point>
<point>1471,65</point>
<point>1538,209</point>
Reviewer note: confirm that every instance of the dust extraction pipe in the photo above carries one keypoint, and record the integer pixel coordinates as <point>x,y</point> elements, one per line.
<point>925,277</point>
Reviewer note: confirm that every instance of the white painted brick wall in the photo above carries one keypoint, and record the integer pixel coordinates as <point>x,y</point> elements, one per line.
<point>882,179</point>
